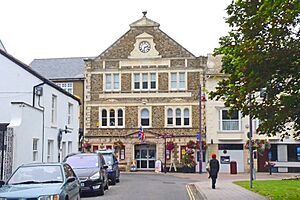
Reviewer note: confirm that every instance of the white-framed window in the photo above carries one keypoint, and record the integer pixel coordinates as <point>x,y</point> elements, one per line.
<point>54,110</point>
<point>63,149</point>
<point>112,117</point>
<point>178,116</point>
<point>112,82</point>
<point>145,81</point>
<point>70,114</point>
<point>230,122</point>
<point>178,80</point>
<point>50,150</point>
<point>145,117</point>
<point>35,152</point>
<point>69,147</point>
<point>67,86</point>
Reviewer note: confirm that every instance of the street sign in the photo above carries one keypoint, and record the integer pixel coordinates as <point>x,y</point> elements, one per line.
<point>198,136</point>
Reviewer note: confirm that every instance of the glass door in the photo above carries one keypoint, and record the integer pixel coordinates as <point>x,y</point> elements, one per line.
<point>145,156</point>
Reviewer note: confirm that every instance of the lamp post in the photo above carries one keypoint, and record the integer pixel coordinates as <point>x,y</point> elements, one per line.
<point>200,129</point>
<point>250,145</point>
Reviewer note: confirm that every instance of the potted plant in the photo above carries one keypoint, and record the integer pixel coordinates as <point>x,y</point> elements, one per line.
<point>188,159</point>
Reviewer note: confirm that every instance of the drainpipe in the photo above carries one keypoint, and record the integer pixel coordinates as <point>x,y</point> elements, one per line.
<point>43,108</point>
<point>43,134</point>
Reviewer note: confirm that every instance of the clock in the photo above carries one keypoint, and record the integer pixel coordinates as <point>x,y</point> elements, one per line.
<point>144,46</point>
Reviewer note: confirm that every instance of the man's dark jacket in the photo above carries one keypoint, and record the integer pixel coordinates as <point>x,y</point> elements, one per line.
<point>214,168</point>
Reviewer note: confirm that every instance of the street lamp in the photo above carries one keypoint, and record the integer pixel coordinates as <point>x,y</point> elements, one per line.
<point>250,145</point>
<point>199,136</point>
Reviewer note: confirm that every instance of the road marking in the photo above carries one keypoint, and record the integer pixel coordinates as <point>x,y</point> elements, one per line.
<point>190,193</point>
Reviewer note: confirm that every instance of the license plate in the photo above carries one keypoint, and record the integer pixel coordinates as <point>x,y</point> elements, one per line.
<point>82,184</point>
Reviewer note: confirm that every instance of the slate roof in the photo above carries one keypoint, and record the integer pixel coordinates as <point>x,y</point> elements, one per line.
<point>60,68</point>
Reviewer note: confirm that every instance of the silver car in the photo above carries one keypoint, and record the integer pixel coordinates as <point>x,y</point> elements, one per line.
<point>41,181</point>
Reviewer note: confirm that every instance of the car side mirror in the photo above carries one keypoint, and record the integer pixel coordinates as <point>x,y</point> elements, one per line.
<point>2,183</point>
<point>71,179</point>
<point>105,166</point>
<point>116,162</point>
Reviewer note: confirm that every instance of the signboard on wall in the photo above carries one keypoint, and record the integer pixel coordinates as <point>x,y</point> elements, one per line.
<point>225,159</point>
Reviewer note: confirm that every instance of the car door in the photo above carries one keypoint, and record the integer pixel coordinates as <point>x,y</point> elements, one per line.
<point>72,188</point>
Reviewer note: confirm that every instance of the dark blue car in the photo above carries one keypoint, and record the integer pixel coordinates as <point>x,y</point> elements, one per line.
<point>41,182</point>
<point>113,166</point>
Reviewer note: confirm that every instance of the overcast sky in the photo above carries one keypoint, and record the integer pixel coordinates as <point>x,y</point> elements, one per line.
<point>32,29</point>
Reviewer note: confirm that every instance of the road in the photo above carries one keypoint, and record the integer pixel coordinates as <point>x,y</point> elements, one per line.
<point>137,186</point>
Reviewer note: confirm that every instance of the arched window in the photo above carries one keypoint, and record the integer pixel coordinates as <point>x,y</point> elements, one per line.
<point>104,117</point>
<point>186,117</point>
<point>170,117</point>
<point>120,117</point>
<point>112,119</point>
<point>145,117</point>
<point>178,117</point>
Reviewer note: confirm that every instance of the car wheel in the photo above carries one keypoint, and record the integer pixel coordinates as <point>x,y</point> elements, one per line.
<point>113,180</point>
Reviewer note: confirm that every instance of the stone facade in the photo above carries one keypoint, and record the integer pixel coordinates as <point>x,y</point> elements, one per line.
<point>117,114</point>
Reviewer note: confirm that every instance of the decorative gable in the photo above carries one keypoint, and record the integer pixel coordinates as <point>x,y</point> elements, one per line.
<point>144,47</point>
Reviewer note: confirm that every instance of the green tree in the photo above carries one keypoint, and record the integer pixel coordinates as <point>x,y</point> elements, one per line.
<point>262,51</point>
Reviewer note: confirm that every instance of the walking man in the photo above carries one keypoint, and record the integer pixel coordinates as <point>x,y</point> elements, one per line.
<point>214,167</point>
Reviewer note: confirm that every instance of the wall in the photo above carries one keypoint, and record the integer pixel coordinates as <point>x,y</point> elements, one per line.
<point>15,85</point>
<point>27,124</point>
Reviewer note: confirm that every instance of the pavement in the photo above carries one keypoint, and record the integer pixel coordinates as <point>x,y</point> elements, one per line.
<point>225,188</point>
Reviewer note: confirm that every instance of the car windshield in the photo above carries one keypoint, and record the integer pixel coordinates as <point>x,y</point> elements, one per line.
<point>37,174</point>
<point>108,157</point>
<point>83,161</point>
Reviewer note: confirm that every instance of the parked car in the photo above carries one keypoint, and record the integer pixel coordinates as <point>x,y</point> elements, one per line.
<point>113,166</point>
<point>41,181</point>
<point>91,171</point>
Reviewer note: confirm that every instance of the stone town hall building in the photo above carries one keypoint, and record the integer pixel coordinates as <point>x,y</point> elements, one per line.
<point>145,79</point>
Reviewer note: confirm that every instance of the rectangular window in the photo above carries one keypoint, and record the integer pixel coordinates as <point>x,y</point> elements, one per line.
<point>173,80</point>
<point>108,82</point>
<point>144,81</point>
<point>35,149</point>
<point>54,110</point>
<point>230,122</point>
<point>137,81</point>
<point>293,152</point>
<point>70,114</point>
<point>69,147</point>
<point>178,81</point>
<point>112,82</point>
<point>50,151</point>
<point>116,81</point>
<point>153,81</point>
<point>181,81</point>
<point>66,86</point>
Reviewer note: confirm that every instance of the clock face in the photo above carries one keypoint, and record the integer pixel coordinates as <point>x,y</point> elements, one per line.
<point>144,46</point>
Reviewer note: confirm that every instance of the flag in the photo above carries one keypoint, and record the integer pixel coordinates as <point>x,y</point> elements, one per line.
<point>141,134</point>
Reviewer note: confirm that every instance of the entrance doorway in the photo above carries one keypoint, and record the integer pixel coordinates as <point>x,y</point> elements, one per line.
<point>145,156</point>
